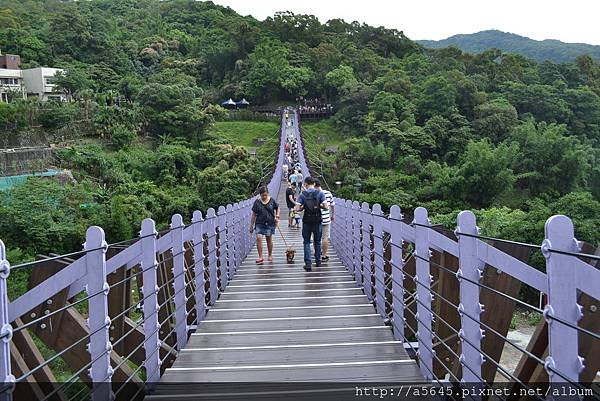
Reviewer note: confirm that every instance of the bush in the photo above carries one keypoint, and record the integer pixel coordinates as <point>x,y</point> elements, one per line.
<point>57,115</point>
<point>122,136</point>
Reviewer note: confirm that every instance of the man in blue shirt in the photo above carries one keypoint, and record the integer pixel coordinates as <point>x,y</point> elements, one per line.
<point>311,201</point>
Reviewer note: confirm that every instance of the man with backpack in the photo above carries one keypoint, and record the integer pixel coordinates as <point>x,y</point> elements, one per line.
<point>311,201</point>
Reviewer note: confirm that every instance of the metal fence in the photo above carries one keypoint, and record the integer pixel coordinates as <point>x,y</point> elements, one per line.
<point>454,293</point>
<point>179,272</point>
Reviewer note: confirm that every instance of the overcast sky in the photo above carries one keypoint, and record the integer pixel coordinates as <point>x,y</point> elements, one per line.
<point>569,21</point>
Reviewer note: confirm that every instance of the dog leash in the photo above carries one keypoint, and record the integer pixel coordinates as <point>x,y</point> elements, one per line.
<point>283,238</point>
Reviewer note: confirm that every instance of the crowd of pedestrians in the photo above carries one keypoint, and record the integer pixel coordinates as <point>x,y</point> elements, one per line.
<point>307,201</point>
<point>314,106</point>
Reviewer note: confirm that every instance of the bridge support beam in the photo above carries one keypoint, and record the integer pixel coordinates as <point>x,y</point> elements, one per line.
<point>470,267</point>
<point>356,244</point>
<point>230,243</point>
<point>150,293</point>
<point>6,376</point>
<point>211,233</point>
<point>222,227</point>
<point>179,280</point>
<point>423,295</point>
<point>198,241</point>
<point>366,219</point>
<point>563,363</point>
<point>97,289</point>
<point>397,273</point>
<point>378,260</point>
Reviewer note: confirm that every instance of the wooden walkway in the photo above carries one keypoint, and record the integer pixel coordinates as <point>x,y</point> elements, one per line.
<point>278,323</point>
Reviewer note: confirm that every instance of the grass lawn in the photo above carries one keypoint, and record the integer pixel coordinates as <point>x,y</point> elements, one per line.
<point>311,131</point>
<point>323,128</point>
<point>243,133</point>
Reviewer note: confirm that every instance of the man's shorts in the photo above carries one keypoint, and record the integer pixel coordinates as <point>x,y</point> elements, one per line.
<point>326,231</point>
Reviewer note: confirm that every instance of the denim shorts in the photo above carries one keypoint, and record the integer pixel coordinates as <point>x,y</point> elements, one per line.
<point>264,229</point>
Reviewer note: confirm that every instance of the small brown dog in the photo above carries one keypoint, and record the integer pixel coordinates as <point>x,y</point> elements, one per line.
<point>289,254</point>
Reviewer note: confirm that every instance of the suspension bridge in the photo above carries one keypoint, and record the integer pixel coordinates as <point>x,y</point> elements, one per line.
<point>185,313</point>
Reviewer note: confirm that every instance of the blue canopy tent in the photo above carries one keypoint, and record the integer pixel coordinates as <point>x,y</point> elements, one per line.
<point>228,103</point>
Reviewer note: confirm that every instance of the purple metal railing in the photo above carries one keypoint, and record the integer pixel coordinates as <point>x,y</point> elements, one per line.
<point>357,227</point>
<point>228,243</point>
<point>359,233</point>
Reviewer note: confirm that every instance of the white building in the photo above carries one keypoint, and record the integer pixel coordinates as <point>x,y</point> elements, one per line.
<point>11,84</point>
<point>39,82</point>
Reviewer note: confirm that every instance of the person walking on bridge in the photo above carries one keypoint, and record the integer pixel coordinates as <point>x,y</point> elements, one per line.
<point>327,216</point>
<point>265,218</point>
<point>290,200</point>
<point>299,178</point>
<point>311,202</point>
<point>293,178</point>
<point>285,169</point>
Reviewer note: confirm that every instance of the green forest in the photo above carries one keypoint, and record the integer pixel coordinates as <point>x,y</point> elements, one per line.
<point>539,50</point>
<point>515,139</point>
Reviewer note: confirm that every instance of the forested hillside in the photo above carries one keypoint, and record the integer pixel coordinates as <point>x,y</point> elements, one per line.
<point>445,129</point>
<point>539,50</point>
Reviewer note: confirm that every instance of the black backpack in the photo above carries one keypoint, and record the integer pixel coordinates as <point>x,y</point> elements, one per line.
<point>312,208</point>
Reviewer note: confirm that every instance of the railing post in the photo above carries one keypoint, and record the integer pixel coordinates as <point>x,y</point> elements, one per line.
<point>366,218</point>
<point>379,261</point>
<point>471,268</point>
<point>397,264</point>
<point>99,346</point>
<point>562,301</point>
<point>212,254</point>
<point>242,227</point>
<point>243,231</point>
<point>221,221</point>
<point>424,278</point>
<point>150,293</point>
<point>6,330</point>
<point>348,236</point>
<point>250,238</point>
<point>356,244</point>
<point>336,231</point>
<point>230,243</point>
<point>179,281</point>
<point>198,240</point>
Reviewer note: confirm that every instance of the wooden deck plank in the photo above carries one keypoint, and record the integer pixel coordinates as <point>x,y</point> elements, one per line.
<point>247,357</point>
<point>277,323</point>
<point>215,326</point>
<point>341,276</point>
<point>249,295</point>
<point>285,274</point>
<point>359,372</point>
<point>303,286</point>
<point>286,338</point>
<point>292,302</point>
<point>288,312</point>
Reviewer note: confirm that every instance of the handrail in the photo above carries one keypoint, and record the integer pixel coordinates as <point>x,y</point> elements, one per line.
<point>217,243</point>
<point>358,234</point>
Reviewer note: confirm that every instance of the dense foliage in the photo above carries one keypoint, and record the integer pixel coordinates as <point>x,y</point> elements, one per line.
<point>440,128</point>
<point>116,190</point>
<point>539,50</point>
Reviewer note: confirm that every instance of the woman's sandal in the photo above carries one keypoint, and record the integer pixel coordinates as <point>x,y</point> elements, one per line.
<point>259,261</point>
<point>270,258</point>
